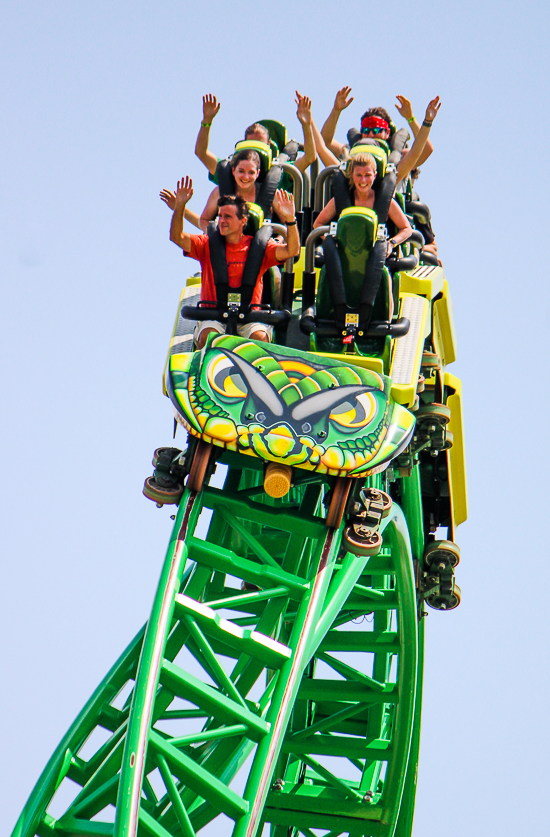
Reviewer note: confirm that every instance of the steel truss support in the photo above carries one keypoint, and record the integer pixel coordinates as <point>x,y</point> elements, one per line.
<point>274,683</point>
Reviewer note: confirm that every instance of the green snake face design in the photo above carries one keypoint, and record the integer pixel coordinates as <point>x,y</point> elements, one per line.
<point>288,406</point>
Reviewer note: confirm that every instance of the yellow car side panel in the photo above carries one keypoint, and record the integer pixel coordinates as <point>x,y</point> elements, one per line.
<point>443,327</point>
<point>425,280</point>
<point>455,456</point>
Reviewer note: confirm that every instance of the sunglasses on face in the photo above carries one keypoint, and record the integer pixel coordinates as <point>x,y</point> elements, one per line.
<point>374,131</point>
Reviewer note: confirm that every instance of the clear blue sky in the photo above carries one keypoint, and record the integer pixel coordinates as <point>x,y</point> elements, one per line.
<point>100,105</point>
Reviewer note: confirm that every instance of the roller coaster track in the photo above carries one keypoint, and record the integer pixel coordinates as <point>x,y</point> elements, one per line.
<point>276,685</point>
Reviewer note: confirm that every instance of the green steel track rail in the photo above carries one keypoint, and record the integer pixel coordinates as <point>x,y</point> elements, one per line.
<point>276,685</point>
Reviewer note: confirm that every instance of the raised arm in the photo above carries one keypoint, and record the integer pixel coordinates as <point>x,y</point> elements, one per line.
<point>341,102</point>
<point>184,193</point>
<point>419,151</point>
<point>210,210</point>
<point>325,154</point>
<point>169,199</point>
<point>303,113</point>
<point>405,109</point>
<point>210,107</point>
<point>287,214</point>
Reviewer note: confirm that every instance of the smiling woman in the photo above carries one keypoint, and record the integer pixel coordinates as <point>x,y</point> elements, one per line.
<point>245,166</point>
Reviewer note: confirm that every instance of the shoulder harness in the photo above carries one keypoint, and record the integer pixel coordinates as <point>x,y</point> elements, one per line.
<point>337,290</point>
<point>252,265</point>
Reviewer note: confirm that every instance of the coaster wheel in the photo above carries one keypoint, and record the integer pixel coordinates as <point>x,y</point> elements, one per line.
<point>430,363</point>
<point>433,413</point>
<point>199,466</point>
<point>442,551</point>
<point>369,544</point>
<point>171,454</point>
<point>445,600</point>
<point>378,495</point>
<point>169,495</point>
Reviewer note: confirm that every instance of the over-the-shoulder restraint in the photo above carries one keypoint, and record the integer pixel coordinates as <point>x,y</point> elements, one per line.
<point>336,287</point>
<point>251,270</point>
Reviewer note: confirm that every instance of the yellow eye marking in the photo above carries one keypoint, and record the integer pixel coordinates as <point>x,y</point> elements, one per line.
<point>297,366</point>
<point>356,415</point>
<point>228,385</point>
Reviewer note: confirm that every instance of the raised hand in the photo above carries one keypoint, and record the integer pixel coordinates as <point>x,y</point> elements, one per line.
<point>303,111</point>
<point>432,109</point>
<point>342,101</point>
<point>184,191</point>
<point>210,107</point>
<point>404,107</point>
<point>169,198</point>
<point>285,206</point>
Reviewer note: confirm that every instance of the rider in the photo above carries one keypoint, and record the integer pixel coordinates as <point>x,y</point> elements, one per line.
<point>361,173</point>
<point>376,124</point>
<point>233,215</point>
<point>257,131</point>
<point>245,167</point>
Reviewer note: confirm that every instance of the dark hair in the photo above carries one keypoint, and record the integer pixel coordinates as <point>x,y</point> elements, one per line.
<point>246,154</point>
<point>383,114</point>
<point>256,126</point>
<point>235,200</point>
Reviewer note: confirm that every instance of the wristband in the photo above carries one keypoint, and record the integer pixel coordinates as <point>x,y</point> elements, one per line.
<point>411,120</point>
<point>427,123</point>
<point>206,124</point>
<point>291,223</point>
<point>392,242</point>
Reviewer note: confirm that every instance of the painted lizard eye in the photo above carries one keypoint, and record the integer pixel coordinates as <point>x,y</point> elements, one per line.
<point>225,378</point>
<point>355,413</point>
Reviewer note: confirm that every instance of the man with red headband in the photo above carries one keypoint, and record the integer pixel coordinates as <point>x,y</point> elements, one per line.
<point>376,124</point>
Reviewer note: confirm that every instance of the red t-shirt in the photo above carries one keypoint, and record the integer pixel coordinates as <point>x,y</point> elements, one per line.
<point>236,257</point>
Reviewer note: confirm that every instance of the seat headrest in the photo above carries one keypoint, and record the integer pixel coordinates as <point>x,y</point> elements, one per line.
<point>263,150</point>
<point>255,219</point>
<point>355,224</point>
<point>368,146</point>
<point>277,133</point>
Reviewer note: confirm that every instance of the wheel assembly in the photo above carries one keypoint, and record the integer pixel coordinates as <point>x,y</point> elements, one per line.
<point>439,552</point>
<point>163,495</point>
<point>361,540</point>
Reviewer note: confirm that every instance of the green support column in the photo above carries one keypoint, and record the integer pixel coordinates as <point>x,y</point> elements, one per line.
<point>269,650</point>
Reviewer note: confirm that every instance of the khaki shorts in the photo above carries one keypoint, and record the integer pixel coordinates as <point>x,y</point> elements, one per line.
<point>243,330</point>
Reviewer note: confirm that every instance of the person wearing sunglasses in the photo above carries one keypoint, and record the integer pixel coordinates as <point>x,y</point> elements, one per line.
<point>376,124</point>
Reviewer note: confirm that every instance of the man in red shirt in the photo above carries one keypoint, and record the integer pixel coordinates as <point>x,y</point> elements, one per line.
<point>232,218</point>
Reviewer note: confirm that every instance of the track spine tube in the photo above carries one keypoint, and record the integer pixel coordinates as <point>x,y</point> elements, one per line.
<point>140,720</point>
<point>412,507</point>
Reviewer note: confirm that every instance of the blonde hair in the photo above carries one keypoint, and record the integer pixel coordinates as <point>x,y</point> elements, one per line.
<point>362,159</point>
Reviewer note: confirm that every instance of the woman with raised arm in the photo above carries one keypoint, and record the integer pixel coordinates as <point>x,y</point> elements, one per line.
<point>245,166</point>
